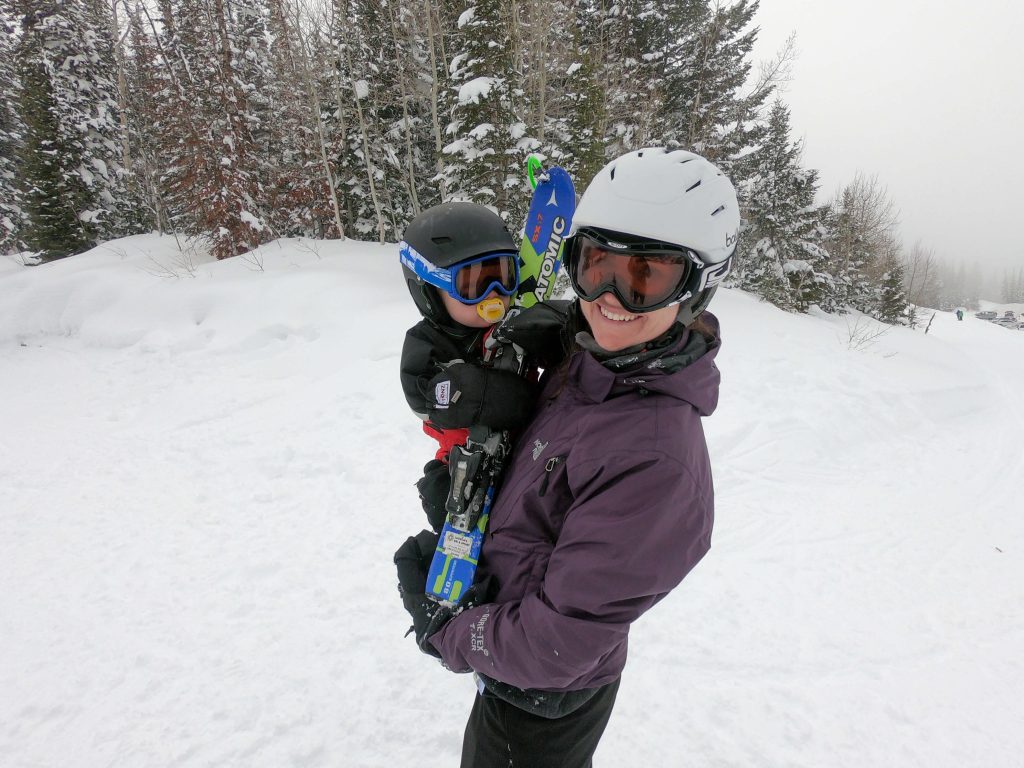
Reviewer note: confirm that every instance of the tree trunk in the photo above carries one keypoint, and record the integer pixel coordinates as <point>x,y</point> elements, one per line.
<point>364,136</point>
<point>313,97</point>
<point>405,96</point>
<point>432,43</point>
<point>122,86</point>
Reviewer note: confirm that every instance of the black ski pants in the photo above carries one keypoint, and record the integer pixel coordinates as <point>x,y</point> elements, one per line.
<point>500,735</point>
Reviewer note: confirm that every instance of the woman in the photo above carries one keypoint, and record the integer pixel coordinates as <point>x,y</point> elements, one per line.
<point>608,501</point>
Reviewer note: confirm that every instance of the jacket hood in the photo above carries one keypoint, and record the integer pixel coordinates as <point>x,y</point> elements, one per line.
<point>684,369</point>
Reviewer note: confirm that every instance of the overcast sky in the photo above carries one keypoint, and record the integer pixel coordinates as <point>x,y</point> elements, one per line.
<point>928,95</point>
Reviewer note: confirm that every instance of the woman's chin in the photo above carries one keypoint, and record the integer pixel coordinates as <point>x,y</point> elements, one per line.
<point>615,334</point>
<point>615,328</point>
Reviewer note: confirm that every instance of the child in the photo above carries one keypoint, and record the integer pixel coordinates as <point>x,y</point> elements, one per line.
<point>461,266</point>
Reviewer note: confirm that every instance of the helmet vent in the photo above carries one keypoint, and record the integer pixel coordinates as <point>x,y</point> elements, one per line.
<point>640,153</point>
<point>612,173</point>
<point>441,240</point>
<point>718,210</point>
<point>693,186</point>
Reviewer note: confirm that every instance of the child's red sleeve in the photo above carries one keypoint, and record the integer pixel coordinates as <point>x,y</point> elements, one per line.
<point>446,438</point>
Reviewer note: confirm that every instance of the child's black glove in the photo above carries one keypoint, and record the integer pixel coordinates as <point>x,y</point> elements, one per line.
<point>542,331</point>
<point>464,395</point>
<point>433,488</point>
<point>412,560</point>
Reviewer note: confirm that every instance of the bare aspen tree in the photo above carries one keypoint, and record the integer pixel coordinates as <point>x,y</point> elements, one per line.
<point>117,40</point>
<point>920,275</point>
<point>435,42</point>
<point>292,22</point>
<point>365,136</point>
<point>531,32</point>
<point>405,96</point>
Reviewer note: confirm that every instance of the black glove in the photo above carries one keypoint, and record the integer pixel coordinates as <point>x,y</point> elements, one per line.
<point>541,331</point>
<point>464,395</point>
<point>412,560</point>
<point>433,488</point>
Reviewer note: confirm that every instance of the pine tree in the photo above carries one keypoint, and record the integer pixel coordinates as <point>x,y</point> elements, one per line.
<point>892,303</point>
<point>301,185</point>
<point>12,217</point>
<point>411,121</point>
<point>706,95</point>
<point>214,173</point>
<point>237,223</point>
<point>782,257</point>
<point>630,49</point>
<point>182,113</point>
<point>485,155</point>
<point>53,192</point>
<point>861,221</point>
<point>581,136</point>
<point>75,190</point>
<point>687,57</point>
<point>380,56</point>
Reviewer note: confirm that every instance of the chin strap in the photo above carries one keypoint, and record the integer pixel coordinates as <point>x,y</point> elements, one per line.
<point>688,313</point>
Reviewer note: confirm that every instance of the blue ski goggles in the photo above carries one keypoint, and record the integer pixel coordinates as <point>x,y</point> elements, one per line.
<point>469,282</point>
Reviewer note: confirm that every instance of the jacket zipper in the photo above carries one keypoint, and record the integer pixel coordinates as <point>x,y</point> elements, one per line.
<point>553,462</point>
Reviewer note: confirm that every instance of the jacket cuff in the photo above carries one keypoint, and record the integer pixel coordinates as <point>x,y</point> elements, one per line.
<point>463,638</point>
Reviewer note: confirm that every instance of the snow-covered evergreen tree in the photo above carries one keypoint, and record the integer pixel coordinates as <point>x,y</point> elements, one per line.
<point>861,225</point>
<point>75,190</point>
<point>892,296</point>
<point>188,169</point>
<point>630,41</point>
<point>409,117</point>
<point>706,99</point>
<point>781,256</point>
<point>686,56</point>
<point>580,132</point>
<point>486,146</point>
<point>389,136</point>
<point>213,175</point>
<point>12,217</point>
<point>300,184</point>
<point>237,220</point>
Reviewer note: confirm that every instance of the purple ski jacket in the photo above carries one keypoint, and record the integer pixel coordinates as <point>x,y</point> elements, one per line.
<point>606,505</point>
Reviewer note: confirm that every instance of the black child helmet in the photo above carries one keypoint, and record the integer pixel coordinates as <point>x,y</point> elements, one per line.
<point>446,235</point>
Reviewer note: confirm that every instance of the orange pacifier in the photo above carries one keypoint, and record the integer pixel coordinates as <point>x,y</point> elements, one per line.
<point>491,310</point>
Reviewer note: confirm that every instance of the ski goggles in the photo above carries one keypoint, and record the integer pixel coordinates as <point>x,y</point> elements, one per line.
<point>471,281</point>
<point>643,277</point>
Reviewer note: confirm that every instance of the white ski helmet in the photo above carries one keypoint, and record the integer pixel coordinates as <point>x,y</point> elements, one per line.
<point>675,198</point>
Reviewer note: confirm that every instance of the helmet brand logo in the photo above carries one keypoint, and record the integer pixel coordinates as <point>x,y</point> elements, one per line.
<point>715,274</point>
<point>730,239</point>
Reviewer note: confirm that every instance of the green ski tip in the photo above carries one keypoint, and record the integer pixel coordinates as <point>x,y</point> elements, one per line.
<point>533,166</point>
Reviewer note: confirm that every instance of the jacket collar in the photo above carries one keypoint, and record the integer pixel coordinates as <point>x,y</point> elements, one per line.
<point>684,370</point>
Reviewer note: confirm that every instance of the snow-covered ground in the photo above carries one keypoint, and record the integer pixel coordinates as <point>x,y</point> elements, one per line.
<point>206,467</point>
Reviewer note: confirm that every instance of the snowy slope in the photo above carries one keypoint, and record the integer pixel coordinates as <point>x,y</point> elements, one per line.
<point>207,466</point>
